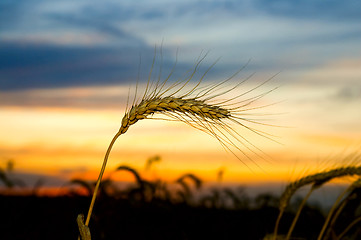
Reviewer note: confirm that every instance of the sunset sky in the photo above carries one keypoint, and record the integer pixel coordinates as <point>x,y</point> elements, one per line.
<point>66,68</point>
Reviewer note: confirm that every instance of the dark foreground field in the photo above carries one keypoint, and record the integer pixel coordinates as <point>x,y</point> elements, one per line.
<point>32,217</point>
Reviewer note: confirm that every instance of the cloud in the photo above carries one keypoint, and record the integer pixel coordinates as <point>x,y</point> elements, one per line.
<point>98,25</point>
<point>25,66</point>
<point>63,44</point>
<point>74,97</point>
<point>28,65</point>
<point>13,14</point>
<point>317,10</point>
<point>349,93</point>
<point>341,72</point>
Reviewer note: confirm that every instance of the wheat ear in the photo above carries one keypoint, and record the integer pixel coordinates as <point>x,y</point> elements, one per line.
<point>196,107</point>
<point>318,178</point>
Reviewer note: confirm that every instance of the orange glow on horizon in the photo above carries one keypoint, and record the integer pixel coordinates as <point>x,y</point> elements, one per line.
<point>71,142</point>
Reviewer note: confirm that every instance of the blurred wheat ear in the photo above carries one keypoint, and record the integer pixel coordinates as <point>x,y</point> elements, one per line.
<point>205,108</point>
<point>317,180</point>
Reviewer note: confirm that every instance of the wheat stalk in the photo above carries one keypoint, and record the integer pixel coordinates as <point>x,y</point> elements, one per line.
<point>340,205</point>
<point>196,107</point>
<point>314,186</point>
<point>317,179</point>
<point>348,228</point>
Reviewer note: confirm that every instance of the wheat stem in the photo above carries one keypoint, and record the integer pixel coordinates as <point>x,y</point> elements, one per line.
<point>100,178</point>
<point>330,213</point>
<point>333,213</point>
<point>298,213</point>
<point>275,232</point>
<point>354,222</point>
